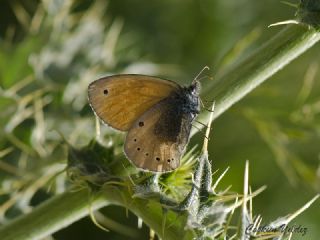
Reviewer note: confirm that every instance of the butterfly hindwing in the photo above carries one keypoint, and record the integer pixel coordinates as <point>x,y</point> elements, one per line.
<point>149,146</point>
<point>119,100</point>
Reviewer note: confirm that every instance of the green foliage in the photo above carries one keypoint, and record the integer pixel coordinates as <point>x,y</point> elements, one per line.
<point>50,143</point>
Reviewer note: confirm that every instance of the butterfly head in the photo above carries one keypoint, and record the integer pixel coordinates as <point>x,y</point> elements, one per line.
<point>195,85</point>
<point>194,88</point>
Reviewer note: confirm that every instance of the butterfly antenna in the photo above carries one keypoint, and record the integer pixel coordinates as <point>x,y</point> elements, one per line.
<point>196,79</point>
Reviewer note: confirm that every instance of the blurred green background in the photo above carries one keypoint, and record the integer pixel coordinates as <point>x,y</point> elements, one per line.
<point>51,50</point>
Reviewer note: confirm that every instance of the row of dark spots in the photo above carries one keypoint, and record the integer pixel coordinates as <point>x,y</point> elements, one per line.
<point>138,149</point>
<point>157,158</point>
<point>168,160</point>
<point>141,124</point>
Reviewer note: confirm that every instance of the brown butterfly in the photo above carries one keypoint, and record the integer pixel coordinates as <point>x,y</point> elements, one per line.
<point>156,113</point>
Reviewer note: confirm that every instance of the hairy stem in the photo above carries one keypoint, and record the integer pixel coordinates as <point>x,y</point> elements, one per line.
<point>54,214</point>
<point>62,210</point>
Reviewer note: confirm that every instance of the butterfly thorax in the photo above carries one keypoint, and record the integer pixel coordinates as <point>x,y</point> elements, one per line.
<point>189,98</point>
<point>181,107</point>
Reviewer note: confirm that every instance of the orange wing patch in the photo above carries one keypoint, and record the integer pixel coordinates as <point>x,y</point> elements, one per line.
<point>119,100</point>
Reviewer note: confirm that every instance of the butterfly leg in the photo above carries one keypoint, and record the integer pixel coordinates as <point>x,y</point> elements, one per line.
<point>204,106</point>
<point>201,131</point>
<point>201,123</point>
<point>209,101</point>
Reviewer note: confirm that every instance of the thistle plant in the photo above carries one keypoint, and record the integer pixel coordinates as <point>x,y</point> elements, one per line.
<point>52,145</point>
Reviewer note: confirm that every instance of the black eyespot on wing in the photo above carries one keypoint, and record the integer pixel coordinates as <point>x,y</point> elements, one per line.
<point>168,160</point>
<point>157,158</point>
<point>141,124</point>
<point>135,140</point>
<point>105,92</point>
<point>138,149</point>
<point>147,154</point>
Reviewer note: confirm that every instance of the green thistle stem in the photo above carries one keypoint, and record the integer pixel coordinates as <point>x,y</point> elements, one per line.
<point>54,214</point>
<point>62,210</point>
<point>240,79</point>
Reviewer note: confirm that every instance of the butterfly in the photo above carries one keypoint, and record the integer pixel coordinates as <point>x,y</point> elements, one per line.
<point>156,113</point>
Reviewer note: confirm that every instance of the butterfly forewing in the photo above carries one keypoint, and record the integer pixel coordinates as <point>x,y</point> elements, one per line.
<point>157,151</point>
<point>119,100</point>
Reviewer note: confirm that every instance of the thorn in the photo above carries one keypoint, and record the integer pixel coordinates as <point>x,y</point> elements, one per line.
<point>205,142</point>
<point>290,4</point>
<point>284,23</point>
